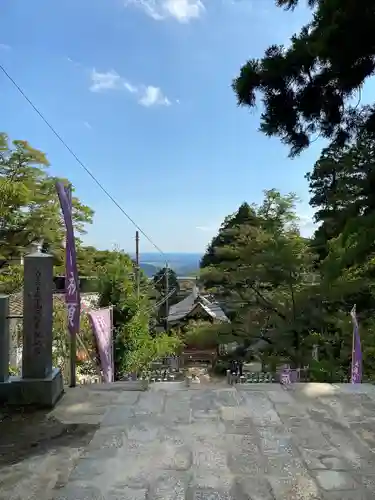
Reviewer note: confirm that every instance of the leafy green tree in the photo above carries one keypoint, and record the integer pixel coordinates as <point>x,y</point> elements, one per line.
<point>29,206</point>
<point>142,348</point>
<point>90,259</point>
<point>341,185</point>
<point>61,340</point>
<point>161,285</point>
<point>264,274</point>
<point>135,347</point>
<point>244,215</point>
<point>239,227</point>
<point>201,334</point>
<point>307,87</point>
<point>11,279</point>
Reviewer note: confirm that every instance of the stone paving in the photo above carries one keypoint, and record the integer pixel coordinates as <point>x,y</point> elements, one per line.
<point>254,442</point>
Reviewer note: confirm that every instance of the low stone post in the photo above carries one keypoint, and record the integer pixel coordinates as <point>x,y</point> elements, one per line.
<point>4,338</point>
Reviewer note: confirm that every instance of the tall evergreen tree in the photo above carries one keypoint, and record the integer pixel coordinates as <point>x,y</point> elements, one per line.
<point>263,272</point>
<point>342,185</point>
<point>245,215</point>
<point>307,88</point>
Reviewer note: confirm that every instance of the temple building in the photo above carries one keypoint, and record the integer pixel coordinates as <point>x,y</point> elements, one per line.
<point>196,307</point>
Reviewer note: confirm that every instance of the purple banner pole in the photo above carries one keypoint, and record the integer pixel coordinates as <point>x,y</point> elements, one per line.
<point>101,322</point>
<point>356,375</point>
<point>72,294</point>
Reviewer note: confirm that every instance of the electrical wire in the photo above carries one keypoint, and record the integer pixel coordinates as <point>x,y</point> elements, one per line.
<point>158,304</point>
<point>162,276</point>
<point>87,170</point>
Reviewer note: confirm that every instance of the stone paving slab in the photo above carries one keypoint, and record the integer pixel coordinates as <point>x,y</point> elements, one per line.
<point>214,442</point>
<point>242,443</point>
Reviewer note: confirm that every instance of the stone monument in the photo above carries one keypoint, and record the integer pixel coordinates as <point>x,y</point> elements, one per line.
<point>40,384</point>
<point>37,316</point>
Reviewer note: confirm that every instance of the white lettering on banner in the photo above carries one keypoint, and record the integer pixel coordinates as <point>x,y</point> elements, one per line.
<point>72,286</point>
<point>100,321</point>
<point>71,258</point>
<point>71,313</point>
<point>285,378</point>
<point>356,369</point>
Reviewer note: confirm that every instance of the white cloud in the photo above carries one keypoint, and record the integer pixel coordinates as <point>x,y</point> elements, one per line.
<point>71,61</point>
<point>130,88</point>
<point>105,81</point>
<point>181,10</point>
<point>4,46</point>
<point>147,95</point>
<point>87,125</point>
<point>153,96</point>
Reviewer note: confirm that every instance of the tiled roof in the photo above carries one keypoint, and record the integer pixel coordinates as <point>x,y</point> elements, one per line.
<point>186,306</point>
<point>16,301</point>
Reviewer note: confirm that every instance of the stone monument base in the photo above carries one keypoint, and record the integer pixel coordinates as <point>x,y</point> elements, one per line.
<point>36,392</point>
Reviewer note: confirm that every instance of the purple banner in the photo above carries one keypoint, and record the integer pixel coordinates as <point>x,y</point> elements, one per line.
<point>289,376</point>
<point>285,377</point>
<point>356,375</point>
<point>101,321</point>
<point>72,295</point>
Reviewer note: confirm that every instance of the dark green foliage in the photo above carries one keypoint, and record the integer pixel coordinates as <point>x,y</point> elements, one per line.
<point>244,215</point>
<point>306,87</point>
<point>161,284</point>
<point>342,185</point>
<point>29,206</point>
<point>262,269</point>
<point>284,299</point>
<point>135,347</point>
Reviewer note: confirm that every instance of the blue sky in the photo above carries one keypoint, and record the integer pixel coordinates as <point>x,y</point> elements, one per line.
<point>140,90</point>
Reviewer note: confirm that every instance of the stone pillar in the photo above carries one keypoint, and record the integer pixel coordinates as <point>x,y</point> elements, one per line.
<point>37,316</point>
<point>4,338</point>
<point>315,352</point>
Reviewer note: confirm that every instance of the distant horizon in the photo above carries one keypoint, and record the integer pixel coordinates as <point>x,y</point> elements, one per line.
<point>171,253</point>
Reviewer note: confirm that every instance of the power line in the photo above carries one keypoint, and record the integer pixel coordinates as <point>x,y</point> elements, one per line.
<point>163,275</point>
<point>87,170</point>
<point>164,299</point>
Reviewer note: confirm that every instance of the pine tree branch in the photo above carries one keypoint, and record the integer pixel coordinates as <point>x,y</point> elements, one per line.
<point>266,302</point>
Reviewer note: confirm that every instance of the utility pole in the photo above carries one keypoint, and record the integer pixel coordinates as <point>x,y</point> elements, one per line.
<point>137,260</point>
<point>166,295</point>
